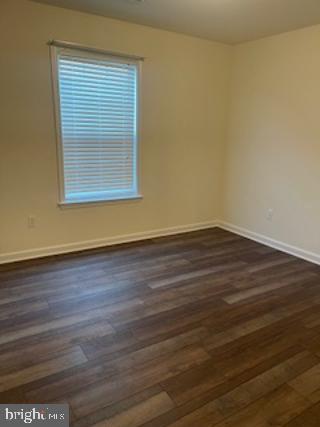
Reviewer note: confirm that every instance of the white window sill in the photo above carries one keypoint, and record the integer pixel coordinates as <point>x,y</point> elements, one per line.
<point>88,203</point>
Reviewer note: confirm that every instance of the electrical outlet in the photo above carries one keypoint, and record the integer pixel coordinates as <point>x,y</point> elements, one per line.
<point>270,214</point>
<point>31,221</point>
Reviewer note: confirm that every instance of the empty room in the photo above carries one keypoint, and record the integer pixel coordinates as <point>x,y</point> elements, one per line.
<point>160,213</point>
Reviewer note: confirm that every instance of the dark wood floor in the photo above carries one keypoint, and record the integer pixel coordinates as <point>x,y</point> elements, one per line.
<point>202,329</point>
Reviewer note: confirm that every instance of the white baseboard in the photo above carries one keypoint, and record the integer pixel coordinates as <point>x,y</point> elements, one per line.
<point>98,243</point>
<point>108,241</point>
<point>276,244</point>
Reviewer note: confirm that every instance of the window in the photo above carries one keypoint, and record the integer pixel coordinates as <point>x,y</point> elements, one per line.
<point>96,104</point>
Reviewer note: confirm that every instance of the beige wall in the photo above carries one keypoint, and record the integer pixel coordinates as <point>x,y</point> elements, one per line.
<point>183,130</point>
<point>273,150</point>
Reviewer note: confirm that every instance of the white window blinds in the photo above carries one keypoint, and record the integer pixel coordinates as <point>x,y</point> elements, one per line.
<point>98,126</point>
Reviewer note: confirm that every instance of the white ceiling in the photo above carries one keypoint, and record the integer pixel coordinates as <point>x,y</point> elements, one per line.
<point>228,21</point>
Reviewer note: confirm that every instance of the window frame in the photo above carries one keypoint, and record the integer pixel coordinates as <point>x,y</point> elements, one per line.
<point>87,52</point>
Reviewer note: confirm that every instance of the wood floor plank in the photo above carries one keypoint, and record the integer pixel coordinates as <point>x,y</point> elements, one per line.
<point>194,274</point>
<point>141,413</point>
<point>143,350</point>
<point>308,384</point>
<point>228,398</point>
<point>119,387</point>
<point>9,310</point>
<point>52,325</point>
<point>223,366</point>
<point>117,408</point>
<point>275,409</point>
<point>230,335</point>
<point>249,293</point>
<point>64,361</point>
<point>308,418</point>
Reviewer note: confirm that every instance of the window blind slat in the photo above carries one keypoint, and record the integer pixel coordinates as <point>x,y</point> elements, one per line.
<point>98,126</point>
